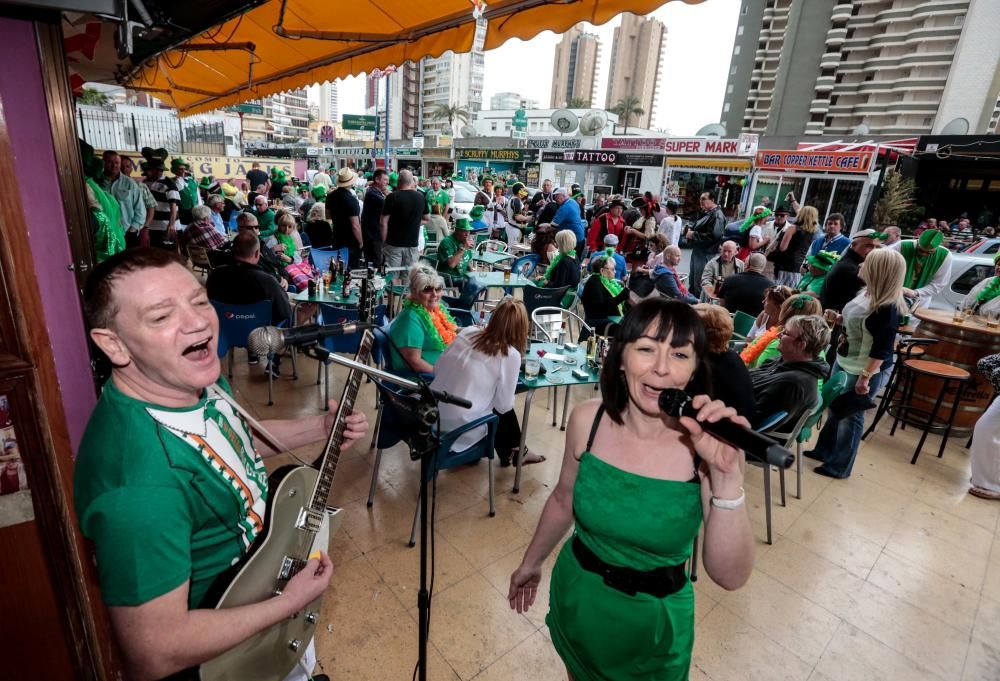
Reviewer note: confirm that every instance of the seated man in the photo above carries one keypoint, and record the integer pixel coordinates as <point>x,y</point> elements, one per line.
<point>245,282</point>
<point>455,252</point>
<point>718,268</point>
<point>791,383</point>
<point>201,232</point>
<point>666,279</point>
<point>169,484</point>
<point>268,262</point>
<point>744,292</point>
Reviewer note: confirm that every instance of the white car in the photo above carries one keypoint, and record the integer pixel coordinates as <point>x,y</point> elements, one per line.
<point>967,270</point>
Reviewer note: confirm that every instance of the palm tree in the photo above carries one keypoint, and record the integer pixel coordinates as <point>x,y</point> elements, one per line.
<point>577,103</point>
<point>443,111</point>
<point>93,97</point>
<point>626,108</point>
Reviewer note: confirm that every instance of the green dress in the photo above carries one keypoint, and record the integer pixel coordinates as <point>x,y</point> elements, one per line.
<point>629,520</point>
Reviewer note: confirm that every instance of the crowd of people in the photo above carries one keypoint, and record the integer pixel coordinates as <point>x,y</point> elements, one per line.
<point>635,485</point>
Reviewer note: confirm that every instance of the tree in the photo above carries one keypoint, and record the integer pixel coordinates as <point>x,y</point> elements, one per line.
<point>443,112</point>
<point>627,108</point>
<point>896,202</point>
<point>93,97</point>
<point>578,103</point>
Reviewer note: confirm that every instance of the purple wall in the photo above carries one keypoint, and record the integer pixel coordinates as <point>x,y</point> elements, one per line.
<point>28,122</point>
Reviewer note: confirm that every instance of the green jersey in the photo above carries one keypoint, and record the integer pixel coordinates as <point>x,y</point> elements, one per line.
<point>168,496</point>
<point>446,250</point>
<point>437,201</point>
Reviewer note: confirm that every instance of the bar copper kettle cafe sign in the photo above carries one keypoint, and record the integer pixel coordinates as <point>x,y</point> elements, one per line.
<point>603,157</point>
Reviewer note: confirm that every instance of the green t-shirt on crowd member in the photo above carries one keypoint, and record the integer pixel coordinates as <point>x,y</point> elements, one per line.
<point>168,496</point>
<point>437,201</point>
<point>410,330</point>
<point>447,249</point>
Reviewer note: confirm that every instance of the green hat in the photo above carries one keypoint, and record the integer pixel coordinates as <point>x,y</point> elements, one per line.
<point>369,175</point>
<point>279,176</point>
<point>206,182</point>
<point>393,179</point>
<point>177,162</point>
<point>823,260</point>
<point>578,195</point>
<point>319,192</point>
<point>274,171</point>
<point>931,238</point>
<point>463,223</point>
<point>477,212</point>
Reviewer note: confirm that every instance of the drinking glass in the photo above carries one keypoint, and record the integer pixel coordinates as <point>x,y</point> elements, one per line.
<point>532,367</point>
<point>959,315</point>
<point>506,275</point>
<point>993,319</point>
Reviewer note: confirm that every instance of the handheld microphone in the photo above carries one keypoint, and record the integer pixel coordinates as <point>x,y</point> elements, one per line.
<point>677,403</point>
<point>267,339</point>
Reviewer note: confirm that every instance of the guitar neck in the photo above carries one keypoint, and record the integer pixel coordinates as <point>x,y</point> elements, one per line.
<point>331,456</point>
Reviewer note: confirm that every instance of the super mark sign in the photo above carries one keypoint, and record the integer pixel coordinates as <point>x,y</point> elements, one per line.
<point>825,161</point>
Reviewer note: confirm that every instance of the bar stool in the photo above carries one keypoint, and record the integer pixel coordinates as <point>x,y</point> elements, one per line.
<point>907,348</point>
<point>947,374</point>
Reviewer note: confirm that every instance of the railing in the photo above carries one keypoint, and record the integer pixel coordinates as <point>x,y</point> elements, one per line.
<point>131,132</point>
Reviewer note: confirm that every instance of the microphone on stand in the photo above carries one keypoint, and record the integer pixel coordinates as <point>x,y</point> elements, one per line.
<point>677,403</point>
<point>267,339</point>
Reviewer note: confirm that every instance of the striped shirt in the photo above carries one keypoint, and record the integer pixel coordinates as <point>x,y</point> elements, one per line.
<point>165,193</point>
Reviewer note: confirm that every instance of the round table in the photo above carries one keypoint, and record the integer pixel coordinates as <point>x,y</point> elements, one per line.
<point>960,344</point>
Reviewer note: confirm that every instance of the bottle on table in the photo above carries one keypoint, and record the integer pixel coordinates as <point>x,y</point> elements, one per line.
<point>561,338</point>
<point>346,290</point>
<point>482,319</point>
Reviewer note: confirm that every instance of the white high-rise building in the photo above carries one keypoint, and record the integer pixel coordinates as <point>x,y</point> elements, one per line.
<point>511,100</point>
<point>328,105</point>
<point>453,80</point>
<point>883,66</point>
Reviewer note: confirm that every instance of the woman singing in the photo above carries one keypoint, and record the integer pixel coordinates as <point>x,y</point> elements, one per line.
<point>637,484</point>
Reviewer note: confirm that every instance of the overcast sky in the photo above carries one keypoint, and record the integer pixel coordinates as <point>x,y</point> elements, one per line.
<point>698,46</point>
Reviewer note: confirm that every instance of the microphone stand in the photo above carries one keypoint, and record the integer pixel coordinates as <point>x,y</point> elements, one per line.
<point>424,447</point>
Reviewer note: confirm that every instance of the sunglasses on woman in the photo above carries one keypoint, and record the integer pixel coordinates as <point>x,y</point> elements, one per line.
<point>432,289</point>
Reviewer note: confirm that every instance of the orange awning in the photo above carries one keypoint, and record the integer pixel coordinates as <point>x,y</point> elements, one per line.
<point>246,58</point>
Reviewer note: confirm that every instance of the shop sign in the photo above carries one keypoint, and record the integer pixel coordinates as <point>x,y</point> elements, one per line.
<point>312,151</point>
<point>823,161</point>
<point>497,154</point>
<point>604,158</point>
<point>228,167</point>
<point>632,142</point>
<point>354,151</point>
<point>405,151</point>
<point>363,123</point>
<point>558,143</point>
<point>689,146</point>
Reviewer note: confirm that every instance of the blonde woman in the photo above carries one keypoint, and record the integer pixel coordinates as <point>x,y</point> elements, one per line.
<point>870,322</point>
<point>790,246</point>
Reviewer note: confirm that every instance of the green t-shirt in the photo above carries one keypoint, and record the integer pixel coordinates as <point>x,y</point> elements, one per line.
<point>437,201</point>
<point>409,330</point>
<point>447,249</point>
<point>770,352</point>
<point>167,495</point>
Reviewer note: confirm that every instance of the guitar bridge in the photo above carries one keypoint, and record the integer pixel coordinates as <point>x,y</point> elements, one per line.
<point>308,520</point>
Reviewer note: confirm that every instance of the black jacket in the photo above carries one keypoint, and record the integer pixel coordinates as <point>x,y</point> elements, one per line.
<point>787,386</point>
<point>598,303</point>
<point>242,283</point>
<point>708,230</point>
<point>842,283</point>
<point>730,382</point>
<point>745,292</point>
<point>565,273</point>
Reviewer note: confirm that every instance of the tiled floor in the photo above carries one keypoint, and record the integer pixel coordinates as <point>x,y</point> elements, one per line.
<point>893,574</point>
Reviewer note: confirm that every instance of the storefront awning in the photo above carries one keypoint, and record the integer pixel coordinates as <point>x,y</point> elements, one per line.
<point>712,164</point>
<point>287,44</point>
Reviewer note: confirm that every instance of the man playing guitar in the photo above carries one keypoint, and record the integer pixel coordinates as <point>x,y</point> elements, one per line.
<point>169,482</point>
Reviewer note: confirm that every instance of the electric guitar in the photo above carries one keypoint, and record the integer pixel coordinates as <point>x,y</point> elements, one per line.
<point>298,521</point>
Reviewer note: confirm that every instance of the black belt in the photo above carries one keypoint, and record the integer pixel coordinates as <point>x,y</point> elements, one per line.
<point>659,582</point>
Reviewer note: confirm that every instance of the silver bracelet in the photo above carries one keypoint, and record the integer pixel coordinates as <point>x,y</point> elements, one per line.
<point>730,503</point>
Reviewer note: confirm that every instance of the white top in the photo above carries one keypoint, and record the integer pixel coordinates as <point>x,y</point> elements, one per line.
<point>322,179</point>
<point>488,382</point>
<point>671,226</point>
<point>937,281</point>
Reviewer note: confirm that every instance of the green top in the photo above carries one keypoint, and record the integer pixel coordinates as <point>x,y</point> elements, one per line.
<point>632,521</point>
<point>812,283</point>
<point>921,268</point>
<point>410,330</point>
<point>770,352</point>
<point>447,249</point>
<point>265,221</point>
<point>180,502</point>
<point>437,201</point>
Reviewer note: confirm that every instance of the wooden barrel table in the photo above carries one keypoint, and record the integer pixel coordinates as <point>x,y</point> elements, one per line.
<point>961,344</point>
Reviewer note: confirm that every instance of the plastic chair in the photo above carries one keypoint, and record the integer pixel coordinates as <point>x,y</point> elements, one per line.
<point>235,324</point>
<point>549,320</point>
<point>347,343</point>
<point>536,297</point>
<point>785,439</point>
<point>525,264</point>
<point>399,424</point>
<point>742,323</point>
<point>199,259</point>
<point>321,258</point>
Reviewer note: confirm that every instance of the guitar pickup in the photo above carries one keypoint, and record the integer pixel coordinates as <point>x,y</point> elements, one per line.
<point>289,566</point>
<point>308,520</point>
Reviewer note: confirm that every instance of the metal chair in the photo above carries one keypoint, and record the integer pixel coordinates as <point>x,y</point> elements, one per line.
<point>493,246</point>
<point>346,343</point>
<point>536,297</point>
<point>398,425</point>
<point>235,324</point>
<point>742,323</point>
<point>549,320</point>
<point>321,258</point>
<point>525,265</point>
<point>785,439</point>
<point>199,259</point>
<point>834,387</point>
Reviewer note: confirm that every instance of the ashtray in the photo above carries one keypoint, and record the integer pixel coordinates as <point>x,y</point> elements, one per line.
<point>552,378</point>
<point>569,361</point>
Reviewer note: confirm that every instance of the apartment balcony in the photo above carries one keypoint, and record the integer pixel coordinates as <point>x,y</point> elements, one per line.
<point>819,106</point>
<point>825,83</point>
<point>836,37</point>
<point>829,60</point>
<point>768,14</point>
<point>842,12</point>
